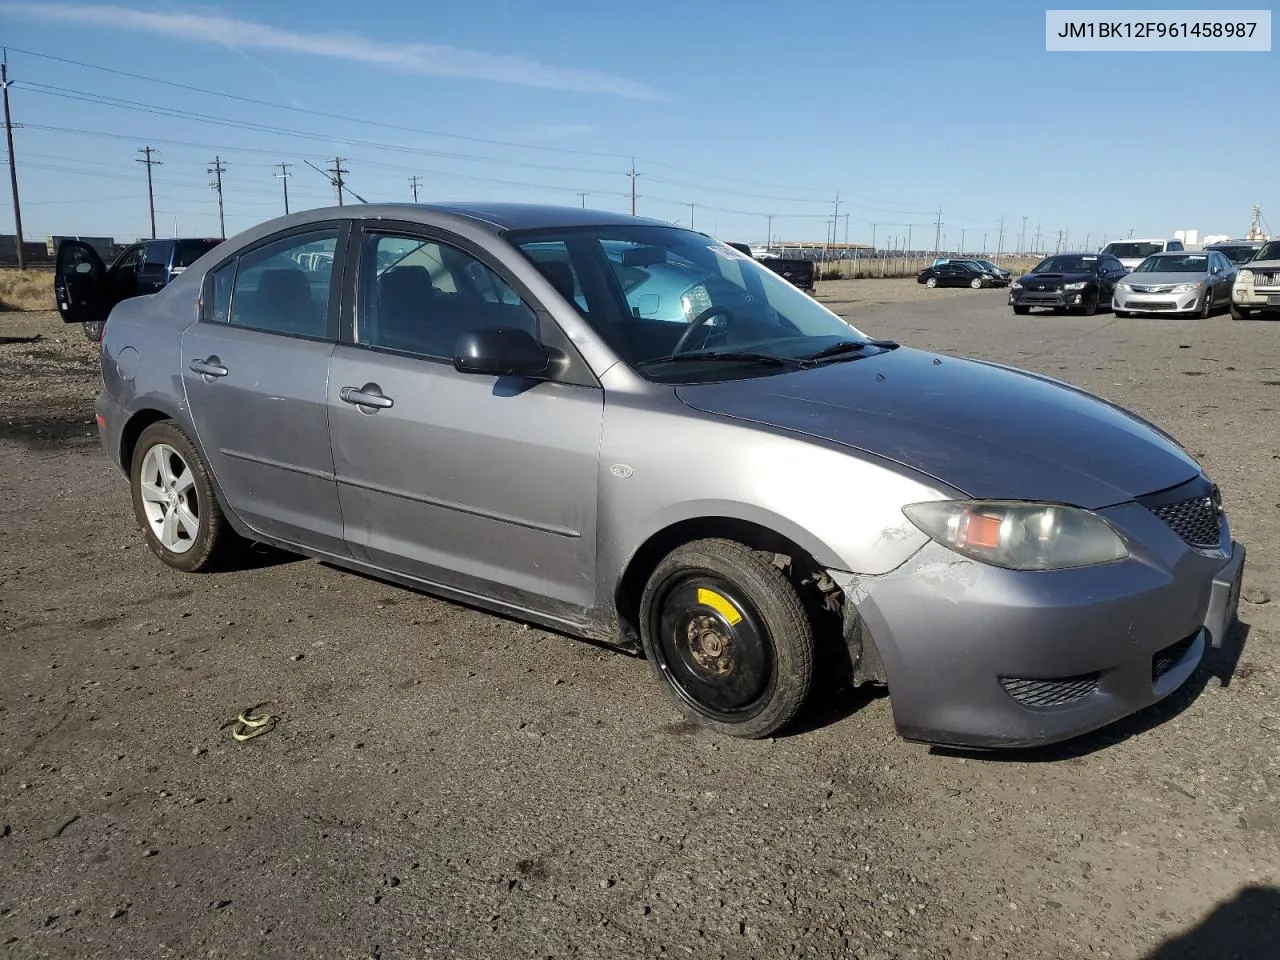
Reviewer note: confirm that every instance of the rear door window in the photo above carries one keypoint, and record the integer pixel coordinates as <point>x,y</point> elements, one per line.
<point>284,287</point>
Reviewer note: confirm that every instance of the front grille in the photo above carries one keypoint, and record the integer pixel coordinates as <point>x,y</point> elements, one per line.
<point>1195,520</point>
<point>1168,658</point>
<point>1050,693</point>
<point>1150,289</point>
<point>1266,279</point>
<point>1035,299</point>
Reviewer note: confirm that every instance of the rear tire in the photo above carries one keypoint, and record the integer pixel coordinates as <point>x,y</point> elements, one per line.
<point>175,503</point>
<point>1022,311</point>
<point>727,637</point>
<point>1240,313</point>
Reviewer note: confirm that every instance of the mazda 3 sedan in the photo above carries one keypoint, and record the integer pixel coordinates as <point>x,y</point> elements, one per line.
<point>630,432</point>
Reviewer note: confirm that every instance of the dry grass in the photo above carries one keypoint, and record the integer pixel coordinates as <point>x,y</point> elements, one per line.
<point>866,268</point>
<point>26,290</point>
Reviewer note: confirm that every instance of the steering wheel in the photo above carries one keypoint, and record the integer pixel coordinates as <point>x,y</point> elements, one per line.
<point>697,323</point>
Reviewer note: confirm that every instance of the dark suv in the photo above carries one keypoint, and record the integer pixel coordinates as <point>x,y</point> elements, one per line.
<point>81,277</point>
<point>1068,281</point>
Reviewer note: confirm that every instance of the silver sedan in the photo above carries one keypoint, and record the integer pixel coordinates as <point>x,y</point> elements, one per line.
<point>1192,284</point>
<point>630,432</point>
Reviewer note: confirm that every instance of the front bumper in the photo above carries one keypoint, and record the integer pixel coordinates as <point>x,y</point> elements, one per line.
<point>1065,299</point>
<point>978,656</point>
<point>1158,302</point>
<point>1256,298</point>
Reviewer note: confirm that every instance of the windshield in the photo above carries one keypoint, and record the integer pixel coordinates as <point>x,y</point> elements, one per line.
<point>189,251</point>
<point>1236,254</point>
<point>1269,251</point>
<point>1068,263</point>
<point>1135,248</point>
<point>1175,263</point>
<point>661,295</point>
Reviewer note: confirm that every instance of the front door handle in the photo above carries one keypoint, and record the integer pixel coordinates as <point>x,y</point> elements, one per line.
<point>210,367</point>
<point>370,395</point>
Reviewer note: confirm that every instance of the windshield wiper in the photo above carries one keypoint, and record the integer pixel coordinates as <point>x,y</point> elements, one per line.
<point>731,355</point>
<point>849,346</point>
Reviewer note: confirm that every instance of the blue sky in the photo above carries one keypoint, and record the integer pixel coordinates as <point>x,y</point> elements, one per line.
<point>744,110</point>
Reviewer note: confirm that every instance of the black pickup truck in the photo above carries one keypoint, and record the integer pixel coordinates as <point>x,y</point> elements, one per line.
<point>802,273</point>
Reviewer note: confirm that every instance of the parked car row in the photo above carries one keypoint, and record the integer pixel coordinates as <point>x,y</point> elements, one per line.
<point>1167,281</point>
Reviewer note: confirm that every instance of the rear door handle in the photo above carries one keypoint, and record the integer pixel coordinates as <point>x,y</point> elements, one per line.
<point>370,395</point>
<point>211,367</point>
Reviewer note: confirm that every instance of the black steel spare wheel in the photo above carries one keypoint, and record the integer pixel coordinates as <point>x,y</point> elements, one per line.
<point>728,637</point>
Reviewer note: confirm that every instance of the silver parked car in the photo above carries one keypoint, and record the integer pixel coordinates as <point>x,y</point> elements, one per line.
<point>1188,283</point>
<point>631,432</point>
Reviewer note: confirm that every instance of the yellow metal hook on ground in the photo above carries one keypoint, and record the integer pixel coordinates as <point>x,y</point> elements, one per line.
<point>248,725</point>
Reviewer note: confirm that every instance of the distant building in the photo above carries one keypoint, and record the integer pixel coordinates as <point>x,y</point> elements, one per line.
<point>1189,237</point>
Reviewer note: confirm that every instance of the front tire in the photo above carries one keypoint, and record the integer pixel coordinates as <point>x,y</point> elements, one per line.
<point>1206,308</point>
<point>1021,311</point>
<point>976,283</point>
<point>92,330</point>
<point>175,504</point>
<point>1240,313</point>
<point>1090,306</point>
<point>931,282</point>
<point>727,637</point>
<point>1121,314</point>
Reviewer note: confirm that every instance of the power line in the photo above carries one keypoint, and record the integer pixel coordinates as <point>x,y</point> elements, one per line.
<point>216,185</point>
<point>13,162</point>
<point>150,161</point>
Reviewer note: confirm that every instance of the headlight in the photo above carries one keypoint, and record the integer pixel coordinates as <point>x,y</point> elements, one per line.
<point>1075,286</point>
<point>1126,287</point>
<point>1244,276</point>
<point>1187,287</point>
<point>1015,285</point>
<point>1019,535</point>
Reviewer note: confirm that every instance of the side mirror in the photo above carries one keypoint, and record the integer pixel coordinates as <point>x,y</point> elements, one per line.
<point>502,352</point>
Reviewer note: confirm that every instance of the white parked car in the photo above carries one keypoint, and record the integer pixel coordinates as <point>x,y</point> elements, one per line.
<point>1257,286</point>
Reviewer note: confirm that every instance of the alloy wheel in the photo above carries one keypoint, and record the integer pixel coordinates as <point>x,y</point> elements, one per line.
<point>169,498</point>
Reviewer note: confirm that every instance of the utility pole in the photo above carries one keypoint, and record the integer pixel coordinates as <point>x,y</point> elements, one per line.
<point>963,230</point>
<point>1022,238</point>
<point>216,186</point>
<point>937,233</point>
<point>283,176</point>
<point>691,206</point>
<point>1066,239</point>
<point>846,229</point>
<point>984,244</point>
<point>1000,241</point>
<point>1058,249</point>
<point>835,223</point>
<point>1037,249</point>
<point>13,165</point>
<point>633,176</point>
<point>768,238</point>
<point>583,196</point>
<point>336,171</point>
<point>413,185</point>
<point>909,226</point>
<point>873,236</point>
<point>150,161</point>
<point>1087,237</point>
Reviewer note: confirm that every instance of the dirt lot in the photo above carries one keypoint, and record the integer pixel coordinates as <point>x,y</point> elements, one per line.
<point>445,783</point>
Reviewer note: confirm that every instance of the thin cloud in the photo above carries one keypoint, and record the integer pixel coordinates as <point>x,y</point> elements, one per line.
<point>423,58</point>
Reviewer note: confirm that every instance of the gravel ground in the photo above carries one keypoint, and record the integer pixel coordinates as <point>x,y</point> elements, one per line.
<point>441,782</point>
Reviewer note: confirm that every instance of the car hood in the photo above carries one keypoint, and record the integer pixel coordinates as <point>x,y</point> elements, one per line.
<point>1164,279</point>
<point>1266,266</point>
<point>989,431</point>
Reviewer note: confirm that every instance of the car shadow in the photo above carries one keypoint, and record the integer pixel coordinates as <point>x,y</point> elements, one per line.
<point>260,556</point>
<point>1247,927</point>
<point>1219,663</point>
